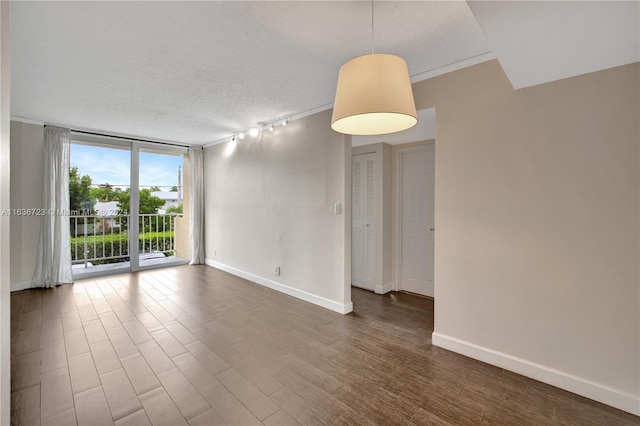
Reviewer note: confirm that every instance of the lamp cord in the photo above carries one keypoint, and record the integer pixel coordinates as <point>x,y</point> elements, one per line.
<point>372,32</point>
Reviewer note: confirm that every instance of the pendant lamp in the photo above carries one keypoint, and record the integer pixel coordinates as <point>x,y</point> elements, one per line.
<point>374,95</point>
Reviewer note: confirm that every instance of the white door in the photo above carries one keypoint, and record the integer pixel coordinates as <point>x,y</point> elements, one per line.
<point>363,227</point>
<point>417,228</point>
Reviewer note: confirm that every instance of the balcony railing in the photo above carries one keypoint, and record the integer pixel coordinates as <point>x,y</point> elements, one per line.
<point>97,240</point>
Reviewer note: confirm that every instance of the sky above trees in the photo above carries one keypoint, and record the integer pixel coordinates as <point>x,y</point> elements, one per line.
<point>112,166</point>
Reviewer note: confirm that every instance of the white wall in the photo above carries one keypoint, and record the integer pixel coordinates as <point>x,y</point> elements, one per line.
<point>269,202</point>
<point>27,147</point>
<point>538,219</point>
<point>5,242</point>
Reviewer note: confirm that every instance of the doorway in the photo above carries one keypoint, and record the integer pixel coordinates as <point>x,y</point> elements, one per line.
<point>415,213</point>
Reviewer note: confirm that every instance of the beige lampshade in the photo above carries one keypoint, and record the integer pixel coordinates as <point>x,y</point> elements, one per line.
<point>374,96</point>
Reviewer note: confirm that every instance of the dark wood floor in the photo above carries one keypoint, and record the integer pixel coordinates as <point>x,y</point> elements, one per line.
<point>194,345</point>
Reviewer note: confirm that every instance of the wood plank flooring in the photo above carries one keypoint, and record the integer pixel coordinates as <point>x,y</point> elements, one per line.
<point>195,345</point>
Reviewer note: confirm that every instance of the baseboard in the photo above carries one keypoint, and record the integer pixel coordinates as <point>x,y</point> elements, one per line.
<point>584,387</point>
<point>382,289</point>
<point>23,285</point>
<point>282,288</point>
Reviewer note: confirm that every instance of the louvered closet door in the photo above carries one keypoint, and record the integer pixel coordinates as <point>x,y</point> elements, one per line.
<point>363,227</point>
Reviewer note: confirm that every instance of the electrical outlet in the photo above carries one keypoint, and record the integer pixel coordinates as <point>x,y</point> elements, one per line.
<point>277,271</point>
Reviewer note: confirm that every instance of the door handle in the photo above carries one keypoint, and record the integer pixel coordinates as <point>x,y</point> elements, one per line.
<point>432,229</point>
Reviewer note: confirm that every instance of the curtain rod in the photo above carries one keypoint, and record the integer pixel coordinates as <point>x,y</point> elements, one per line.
<point>128,138</point>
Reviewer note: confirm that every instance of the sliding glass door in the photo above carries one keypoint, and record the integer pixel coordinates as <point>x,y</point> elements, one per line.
<point>126,206</point>
<point>161,222</point>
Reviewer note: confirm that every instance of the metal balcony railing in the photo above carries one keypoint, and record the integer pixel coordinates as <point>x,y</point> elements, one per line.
<point>97,240</point>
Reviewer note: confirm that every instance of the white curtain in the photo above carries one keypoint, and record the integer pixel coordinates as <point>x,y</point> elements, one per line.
<point>53,262</point>
<point>196,205</point>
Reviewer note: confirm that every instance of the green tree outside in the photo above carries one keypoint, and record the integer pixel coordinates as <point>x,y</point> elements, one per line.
<point>80,197</point>
<point>175,209</point>
<point>105,193</point>
<point>149,204</point>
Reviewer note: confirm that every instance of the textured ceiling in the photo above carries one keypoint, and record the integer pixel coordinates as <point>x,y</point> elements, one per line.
<point>197,72</point>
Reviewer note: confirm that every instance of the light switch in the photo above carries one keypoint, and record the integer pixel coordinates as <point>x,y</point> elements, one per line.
<point>337,208</point>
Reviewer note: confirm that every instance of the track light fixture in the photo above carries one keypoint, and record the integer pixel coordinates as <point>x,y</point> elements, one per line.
<point>255,131</point>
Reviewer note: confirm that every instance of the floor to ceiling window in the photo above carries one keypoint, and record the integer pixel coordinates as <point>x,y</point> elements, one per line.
<point>126,201</point>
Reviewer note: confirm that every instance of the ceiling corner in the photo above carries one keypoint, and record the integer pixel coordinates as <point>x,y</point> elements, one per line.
<point>540,42</point>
